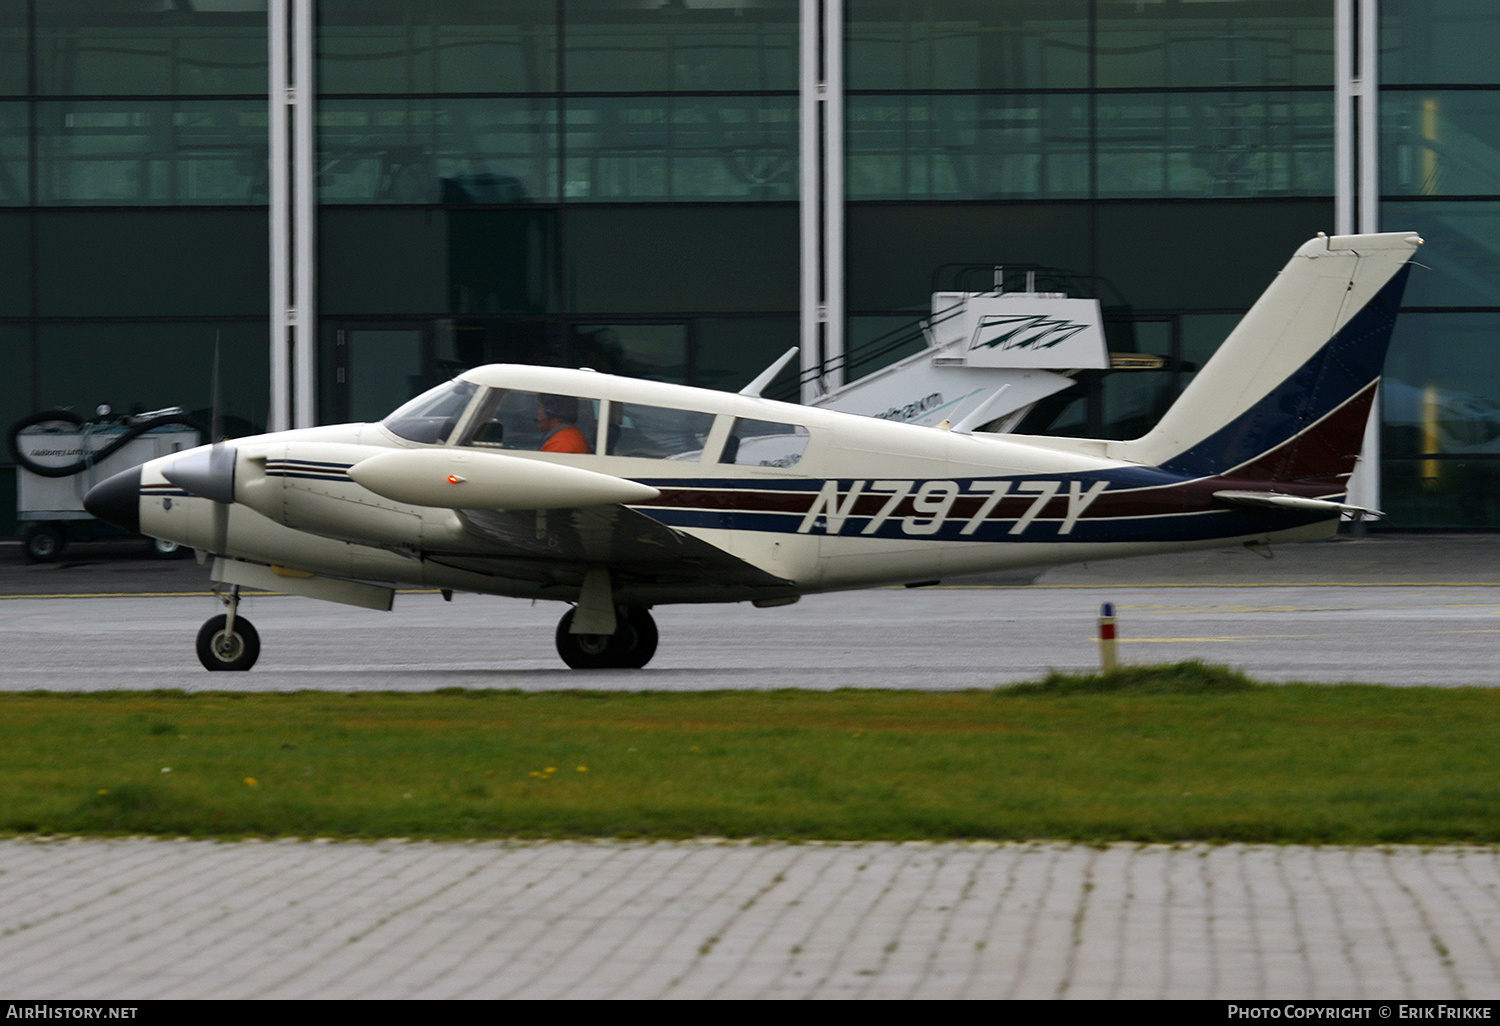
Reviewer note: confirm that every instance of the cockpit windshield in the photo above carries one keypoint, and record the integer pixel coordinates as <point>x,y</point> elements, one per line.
<point>432,416</point>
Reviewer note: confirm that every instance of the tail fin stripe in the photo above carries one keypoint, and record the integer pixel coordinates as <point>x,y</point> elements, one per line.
<point>1347,364</point>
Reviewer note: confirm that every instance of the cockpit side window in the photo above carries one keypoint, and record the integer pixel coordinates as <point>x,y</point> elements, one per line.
<point>534,422</point>
<point>764,443</point>
<point>656,432</point>
<point>431,417</point>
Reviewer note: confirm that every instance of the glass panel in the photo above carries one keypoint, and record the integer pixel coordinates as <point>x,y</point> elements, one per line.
<point>428,151</point>
<point>391,260</point>
<point>160,263</point>
<point>1204,256</point>
<point>1134,400</point>
<point>655,351</point>
<point>764,443</point>
<point>148,365</point>
<point>147,152</point>
<point>382,368</point>
<point>15,364</point>
<point>657,432</point>
<point>967,44</point>
<point>1440,436</point>
<point>1439,41</point>
<point>689,148</point>
<point>968,147</point>
<point>534,422</point>
<point>1163,43</point>
<point>160,47</point>
<point>1457,266</point>
<point>1202,334</point>
<point>16,267</point>
<point>873,342</point>
<point>699,45</point>
<point>731,351</point>
<point>735,258</point>
<point>1216,144</point>
<point>1440,493</point>
<point>13,49</point>
<point>436,46</point>
<point>896,250</point>
<point>467,342</point>
<point>1441,390</point>
<point>1440,143</point>
<point>431,417</point>
<point>15,154</point>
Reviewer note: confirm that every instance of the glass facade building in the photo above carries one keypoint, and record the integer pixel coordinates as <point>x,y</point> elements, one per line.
<point>624,184</point>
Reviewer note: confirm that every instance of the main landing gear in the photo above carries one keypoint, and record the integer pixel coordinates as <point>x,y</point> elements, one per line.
<point>228,641</point>
<point>630,647</point>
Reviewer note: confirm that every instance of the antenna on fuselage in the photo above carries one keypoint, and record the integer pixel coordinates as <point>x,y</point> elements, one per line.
<point>758,386</point>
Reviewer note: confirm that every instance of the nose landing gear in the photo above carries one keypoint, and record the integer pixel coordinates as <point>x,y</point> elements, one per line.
<point>630,647</point>
<point>228,641</point>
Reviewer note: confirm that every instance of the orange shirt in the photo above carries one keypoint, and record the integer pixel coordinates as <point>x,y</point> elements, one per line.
<point>566,439</point>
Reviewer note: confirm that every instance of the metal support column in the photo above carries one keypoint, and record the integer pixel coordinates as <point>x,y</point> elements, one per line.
<point>279,96</point>
<point>821,155</point>
<point>305,213</point>
<point>293,213</point>
<point>1357,176</point>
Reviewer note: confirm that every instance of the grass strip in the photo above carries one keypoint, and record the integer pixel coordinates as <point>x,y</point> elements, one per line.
<point>1183,753</point>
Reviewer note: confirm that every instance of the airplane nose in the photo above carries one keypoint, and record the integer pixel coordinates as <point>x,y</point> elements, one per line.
<point>117,500</point>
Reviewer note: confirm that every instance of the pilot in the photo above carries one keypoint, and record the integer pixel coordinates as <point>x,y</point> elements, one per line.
<point>557,417</point>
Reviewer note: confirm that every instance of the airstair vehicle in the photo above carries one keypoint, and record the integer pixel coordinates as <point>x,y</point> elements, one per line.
<point>988,358</point>
<point>60,456</point>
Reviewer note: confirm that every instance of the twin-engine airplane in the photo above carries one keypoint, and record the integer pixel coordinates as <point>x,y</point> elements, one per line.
<point>616,495</point>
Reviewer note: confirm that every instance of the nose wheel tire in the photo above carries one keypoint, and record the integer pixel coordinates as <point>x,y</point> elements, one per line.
<point>630,647</point>
<point>219,649</point>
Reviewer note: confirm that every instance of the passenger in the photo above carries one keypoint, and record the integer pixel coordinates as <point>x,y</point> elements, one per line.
<point>557,417</point>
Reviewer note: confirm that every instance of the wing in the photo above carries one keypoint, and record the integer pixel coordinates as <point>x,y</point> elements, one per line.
<point>648,561</point>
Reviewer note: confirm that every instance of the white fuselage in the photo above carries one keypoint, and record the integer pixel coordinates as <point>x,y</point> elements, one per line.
<point>817,500</point>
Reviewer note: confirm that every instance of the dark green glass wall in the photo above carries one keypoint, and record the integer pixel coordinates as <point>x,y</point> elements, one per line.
<point>1173,153</point>
<point>132,207</point>
<point>578,182</point>
<point>615,184</point>
<point>1440,176</point>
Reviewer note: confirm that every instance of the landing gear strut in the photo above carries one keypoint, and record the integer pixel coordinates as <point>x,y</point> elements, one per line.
<point>228,641</point>
<point>630,647</point>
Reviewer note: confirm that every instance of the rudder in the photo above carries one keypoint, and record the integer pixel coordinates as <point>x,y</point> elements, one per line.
<point>1289,392</point>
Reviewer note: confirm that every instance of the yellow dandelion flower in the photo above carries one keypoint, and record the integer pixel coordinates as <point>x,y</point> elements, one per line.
<point>551,769</point>
<point>104,790</point>
<point>251,782</point>
<point>583,769</point>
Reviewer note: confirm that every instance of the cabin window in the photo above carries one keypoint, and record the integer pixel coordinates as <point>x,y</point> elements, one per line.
<point>534,422</point>
<point>432,416</point>
<point>656,432</point>
<point>764,443</point>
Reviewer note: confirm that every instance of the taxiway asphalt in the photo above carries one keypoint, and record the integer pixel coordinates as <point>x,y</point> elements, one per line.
<point>1391,610</point>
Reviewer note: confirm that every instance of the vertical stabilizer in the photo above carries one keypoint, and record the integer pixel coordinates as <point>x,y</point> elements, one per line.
<point>1287,395</point>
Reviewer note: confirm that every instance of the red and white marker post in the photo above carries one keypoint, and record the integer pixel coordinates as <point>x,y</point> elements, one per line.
<point>1107,660</point>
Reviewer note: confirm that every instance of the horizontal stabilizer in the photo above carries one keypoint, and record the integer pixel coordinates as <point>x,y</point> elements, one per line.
<point>1274,500</point>
<point>459,479</point>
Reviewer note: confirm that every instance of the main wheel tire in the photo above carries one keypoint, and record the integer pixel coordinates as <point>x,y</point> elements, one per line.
<point>630,647</point>
<point>43,543</point>
<point>220,651</point>
<point>160,548</point>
